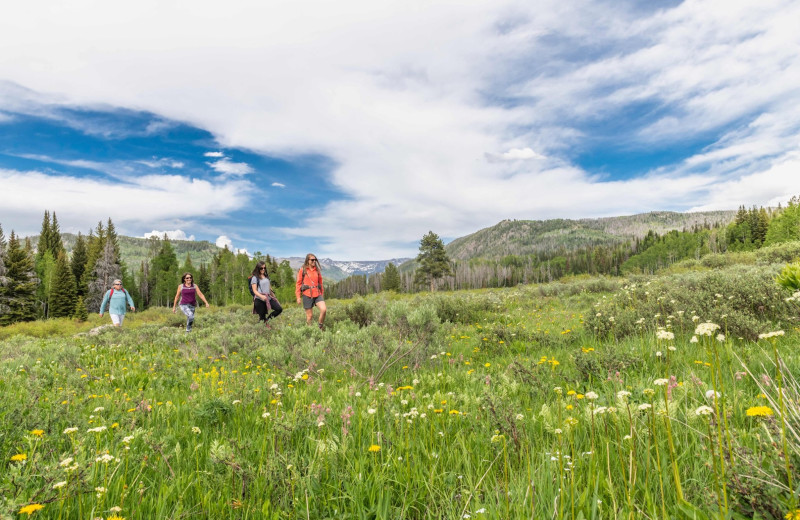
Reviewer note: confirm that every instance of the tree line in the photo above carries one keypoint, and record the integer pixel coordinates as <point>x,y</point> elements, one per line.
<point>44,281</point>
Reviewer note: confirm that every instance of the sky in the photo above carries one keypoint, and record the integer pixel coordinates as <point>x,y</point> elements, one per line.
<point>350,129</point>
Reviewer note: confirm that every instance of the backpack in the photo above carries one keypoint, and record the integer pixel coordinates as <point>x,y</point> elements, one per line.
<point>250,285</point>
<point>112,292</point>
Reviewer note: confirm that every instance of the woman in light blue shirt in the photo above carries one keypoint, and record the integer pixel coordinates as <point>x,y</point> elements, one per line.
<point>116,298</point>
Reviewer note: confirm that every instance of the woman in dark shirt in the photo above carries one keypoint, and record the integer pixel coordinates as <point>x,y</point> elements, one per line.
<point>265,304</point>
<point>188,293</point>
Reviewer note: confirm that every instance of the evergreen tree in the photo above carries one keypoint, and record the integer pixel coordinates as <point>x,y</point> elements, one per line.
<point>3,272</point>
<point>432,260</point>
<point>44,267</point>
<point>203,280</point>
<point>111,235</point>
<point>94,247</point>
<point>187,266</point>
<point>62,290</point>
<point>56,243</point>
<point>20,292</point>
<point>786,225</point>
<point>81,313</point>
<point>391,278</point>
<point>44,237</point>
<point>80,255</point>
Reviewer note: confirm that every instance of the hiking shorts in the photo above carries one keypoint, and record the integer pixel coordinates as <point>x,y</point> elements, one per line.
<point>117,319</point>
<point>309,302</point>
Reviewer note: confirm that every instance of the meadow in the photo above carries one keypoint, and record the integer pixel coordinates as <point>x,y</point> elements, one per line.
<point>659,397</point>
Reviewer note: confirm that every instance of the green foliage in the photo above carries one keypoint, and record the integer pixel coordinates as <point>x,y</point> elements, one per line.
<point>81,313</point>
<point>78,262</point>
<point>432,261</point>
<point>668,249</point>
<point>789,277</point>
<point>744,299</point>
<point>359,312</point>
<point>63,290</point>
<point>19,294</point>
<point>391,278</point>
<point>785,226</point>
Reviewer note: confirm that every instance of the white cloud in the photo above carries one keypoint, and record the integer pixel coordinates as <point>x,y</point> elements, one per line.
<point>410,100</point>
<point>5,118</point>
<point>163,163</point>
<point>227,167</point>
<point>176,234</point>
<point>278,185</point>
<point>143,200</point>
<point>223,241</point>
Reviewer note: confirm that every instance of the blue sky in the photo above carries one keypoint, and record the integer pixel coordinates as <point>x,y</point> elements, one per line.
<point>350,129</point>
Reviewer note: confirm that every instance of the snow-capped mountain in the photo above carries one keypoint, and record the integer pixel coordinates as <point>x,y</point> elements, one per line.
<point>335,270</point>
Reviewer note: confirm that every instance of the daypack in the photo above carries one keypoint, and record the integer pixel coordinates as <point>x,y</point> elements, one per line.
<point>112,293</point>
<point>250,285</point>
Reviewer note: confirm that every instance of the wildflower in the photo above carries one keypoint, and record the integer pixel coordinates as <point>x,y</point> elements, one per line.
<point>558,431</point>
<point>664,334</point>
<point>66,462</point>
<point>591,396</point>
<point>622,394</point>
<point>59,485</point>
<point>557,390</point>
<point>69,431</point>
<point>704,410</point>
<point>660,382</point>
<point>265,415</point>
<point>358,394</point>
<point>720,337</point>
<point>487,365</point>
<point>659,354</point>
<point>793,515</point>
<point>105,458</point>
<point>711,394</point>
<point>706,329</point>
<point>37,433</point>
<point>374,448</point>
<point>99,409</point>
<point>759,411</point>
<point>769,335</point>
<point>19,457</point>
<point>371,411</point>
<point>196,430</point>
<point>693,340</point>
<point>30,509</point>
<point>498,438</point>
<point>520,417</point>
<point>97,430</point>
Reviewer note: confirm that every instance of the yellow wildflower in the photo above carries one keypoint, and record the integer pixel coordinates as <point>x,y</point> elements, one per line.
<point>30,509</point>
<point>37,433</point>
<point>19,457</point>
<point>374,448</point>
<point>759,411</point>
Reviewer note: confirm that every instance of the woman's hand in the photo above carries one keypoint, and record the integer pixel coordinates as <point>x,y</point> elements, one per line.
<point>173,310</point>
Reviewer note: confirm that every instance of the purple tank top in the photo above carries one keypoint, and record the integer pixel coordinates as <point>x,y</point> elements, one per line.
<point>188,295</point>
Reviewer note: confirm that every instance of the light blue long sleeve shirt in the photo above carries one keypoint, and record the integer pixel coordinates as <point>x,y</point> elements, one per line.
<point>117,302</point>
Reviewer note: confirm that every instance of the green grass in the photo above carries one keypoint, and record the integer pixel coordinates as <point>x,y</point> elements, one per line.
<point>473,403</point>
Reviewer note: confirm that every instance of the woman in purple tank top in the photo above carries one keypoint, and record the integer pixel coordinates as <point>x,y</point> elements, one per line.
<point>188,293</point>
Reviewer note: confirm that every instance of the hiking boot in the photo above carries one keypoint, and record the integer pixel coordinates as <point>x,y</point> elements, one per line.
<point>268,326</point>
<point>321,326</point>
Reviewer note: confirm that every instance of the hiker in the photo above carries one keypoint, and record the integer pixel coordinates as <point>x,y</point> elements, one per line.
<point>309,290</point>
<point>265,304</point>
<point>188,293</point>
<point>116,298</point>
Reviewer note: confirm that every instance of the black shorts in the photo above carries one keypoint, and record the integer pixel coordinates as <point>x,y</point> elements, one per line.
<point>309,302</point>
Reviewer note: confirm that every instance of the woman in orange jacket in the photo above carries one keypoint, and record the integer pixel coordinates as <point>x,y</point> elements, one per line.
<point>309,290</point>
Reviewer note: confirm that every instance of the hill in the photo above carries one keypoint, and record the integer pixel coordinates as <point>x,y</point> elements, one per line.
<point>526,237</point>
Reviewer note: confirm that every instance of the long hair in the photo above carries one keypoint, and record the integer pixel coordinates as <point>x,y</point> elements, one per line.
<point>258,266</point>
<point>183,278</point>
<point>307,265</point>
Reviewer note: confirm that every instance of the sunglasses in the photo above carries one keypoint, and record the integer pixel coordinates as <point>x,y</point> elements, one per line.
<point>117,284</point>
<point>312,259</point>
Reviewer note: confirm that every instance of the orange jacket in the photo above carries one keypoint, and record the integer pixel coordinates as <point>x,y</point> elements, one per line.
<point>313,278</point>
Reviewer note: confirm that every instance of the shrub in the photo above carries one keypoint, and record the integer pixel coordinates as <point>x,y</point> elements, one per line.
<point>359,312</point>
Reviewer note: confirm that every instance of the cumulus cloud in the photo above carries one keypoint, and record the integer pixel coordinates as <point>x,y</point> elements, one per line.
<point>228,167</point>
<point>224,241</point>
<point>142,200</point>
<point>409,104</point>
<point>278,185</point>
<point>175,234</point>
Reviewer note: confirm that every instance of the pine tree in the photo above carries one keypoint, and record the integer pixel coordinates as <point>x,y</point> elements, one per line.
<point>164,274</point>
<point>94,249</point>
<point>204,280</point>
<point>20,292</point>
<point>44,237</point>
<point>3,271</point>
<point>81,314</point>
<point>78,262</point>
<point>391,278</point>
<point>62,290</point>
<point>432,259</point>
<point>56,243</point>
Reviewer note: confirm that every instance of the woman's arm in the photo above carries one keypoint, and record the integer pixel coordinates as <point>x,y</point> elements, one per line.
<point>177,295</point>
<point>200,294</point>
